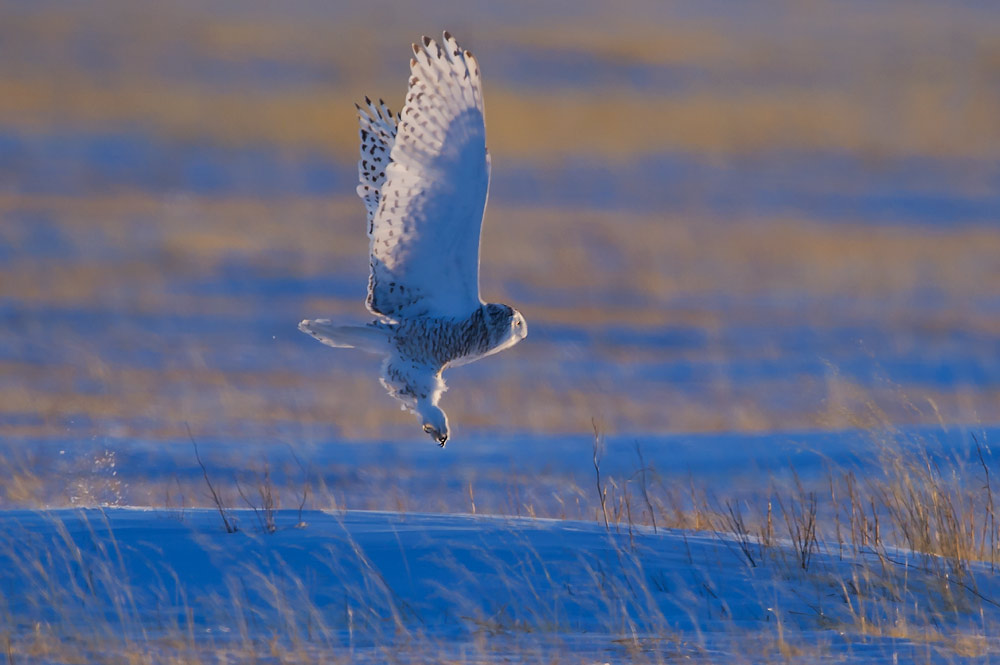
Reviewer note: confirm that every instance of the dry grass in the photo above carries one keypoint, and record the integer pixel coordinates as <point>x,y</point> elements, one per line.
<point>348,404</point>
<point>667,257</point>
<point>617,125</point>
<point>664,273</point>
<point>941,510</point>
<point>910,99</point>
<point>875,84</point>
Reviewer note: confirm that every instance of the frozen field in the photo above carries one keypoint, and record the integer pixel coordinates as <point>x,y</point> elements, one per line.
<point>758,247</point>
<point>147,585</point>
<point>864,547</point>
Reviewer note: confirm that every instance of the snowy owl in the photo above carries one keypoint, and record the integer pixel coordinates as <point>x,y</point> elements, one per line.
<point>424,176</point>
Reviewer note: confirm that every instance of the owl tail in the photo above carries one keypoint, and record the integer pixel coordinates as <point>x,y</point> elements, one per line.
<point>365,338</point>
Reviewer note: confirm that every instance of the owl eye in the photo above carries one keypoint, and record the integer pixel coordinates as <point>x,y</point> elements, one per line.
<point>517,323</point>
<point>428,428</point>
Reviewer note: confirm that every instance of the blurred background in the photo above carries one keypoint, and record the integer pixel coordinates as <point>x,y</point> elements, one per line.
<point>715,216</point>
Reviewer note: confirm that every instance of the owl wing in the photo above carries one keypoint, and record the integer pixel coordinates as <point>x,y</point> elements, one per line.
<point>424,179</point>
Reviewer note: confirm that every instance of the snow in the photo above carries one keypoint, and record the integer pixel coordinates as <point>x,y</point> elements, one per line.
<point>362,586</point>
<point>128,558</point>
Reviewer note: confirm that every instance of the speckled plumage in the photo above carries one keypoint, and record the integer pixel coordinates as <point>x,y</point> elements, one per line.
<point>424,176</point>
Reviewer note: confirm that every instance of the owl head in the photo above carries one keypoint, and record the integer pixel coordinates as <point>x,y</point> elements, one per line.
<point>506,326</point>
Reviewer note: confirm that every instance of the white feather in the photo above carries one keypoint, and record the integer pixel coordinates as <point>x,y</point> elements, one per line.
<point>424,176</point>
<point>426,228</point>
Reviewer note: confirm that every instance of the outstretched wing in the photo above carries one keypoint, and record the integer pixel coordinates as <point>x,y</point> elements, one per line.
<point>425,202</point>
<point>378,132</point>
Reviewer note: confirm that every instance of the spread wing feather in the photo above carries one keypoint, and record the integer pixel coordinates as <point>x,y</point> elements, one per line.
<point>424,179</point>
<point>378,132</point>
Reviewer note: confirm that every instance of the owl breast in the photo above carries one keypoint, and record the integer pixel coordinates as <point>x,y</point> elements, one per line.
<point>437,342</point>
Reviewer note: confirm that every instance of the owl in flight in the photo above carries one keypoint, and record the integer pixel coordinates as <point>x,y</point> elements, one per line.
<point>424,176</point>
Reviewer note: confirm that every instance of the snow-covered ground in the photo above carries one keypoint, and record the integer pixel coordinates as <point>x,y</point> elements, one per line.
<point>170,584</point>
<point>165,586</point>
